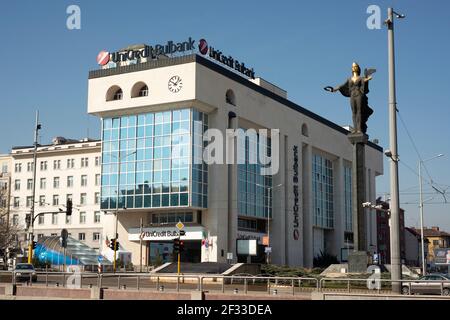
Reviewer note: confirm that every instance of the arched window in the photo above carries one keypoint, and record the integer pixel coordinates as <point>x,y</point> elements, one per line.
<point>114,93</point>
<point>230,97</point>
<point>305,130</point>
<point>140,89</point>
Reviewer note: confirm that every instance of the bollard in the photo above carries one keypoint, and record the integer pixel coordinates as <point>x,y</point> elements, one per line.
<point>137,283</point>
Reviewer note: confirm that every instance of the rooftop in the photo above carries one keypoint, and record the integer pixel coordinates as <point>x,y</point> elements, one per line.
<point>153,64</point>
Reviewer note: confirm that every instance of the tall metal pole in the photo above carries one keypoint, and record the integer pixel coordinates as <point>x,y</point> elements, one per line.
<point>396,273</point>
<point>424,270</point>
<point>140,245</point>
<point>116,214</point>
<point>268,225</point>
<point>30,241</point>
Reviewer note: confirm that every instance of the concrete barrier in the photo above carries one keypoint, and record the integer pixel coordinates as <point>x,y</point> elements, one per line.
<point>353,296</point>
<point>46,292</point>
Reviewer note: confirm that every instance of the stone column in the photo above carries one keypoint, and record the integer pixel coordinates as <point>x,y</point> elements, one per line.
<point>358,258</point>
<point>308,209</point>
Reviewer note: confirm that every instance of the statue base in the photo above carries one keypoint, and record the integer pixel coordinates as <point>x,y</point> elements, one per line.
<point>357,262</point>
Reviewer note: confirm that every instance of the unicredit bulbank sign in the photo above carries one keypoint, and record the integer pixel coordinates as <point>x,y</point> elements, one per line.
<point>151,52</point>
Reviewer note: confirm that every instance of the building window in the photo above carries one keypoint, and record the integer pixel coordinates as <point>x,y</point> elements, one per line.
<point>43,183</point>
<point>29,202</point>
<point>41,201</point>
<point>96,236</point>
<point>69,197</point>
<point>4,168</point>
<point>69,181</point>
<point>18,167</point>
<point>97,179</point>
<point>114,93</point>
<point>30,184</point>
<point>436,243</point>
<point>96,216</point>
<point>68,219</point>
<point>41,219</point>
<point>97,161</point>
<point>56,200</point>
<point>82,199</point>
<point>54,218</point>
<point>15,220</point>
<point>84,162</point>
<point>140,89</point>
<point>70,163</point>
<point>305,130</point>
<point>348,199</point>
<point>172,217</point>
<point>30,166</point>
<point>254,189</point>
<point>156,152</point>
<point>81,236</point>
<point>56,164</point>
<point>230,98</point>
<point>40,235</point>
<point>53,234</point>
<point>97,197</point>
<point>43,165</point>
<point>84,180</point>
<point>17,185</point>
<point>82,217</point>
<point>56,182</point>
<point>323,192</point>
<point>16,202</point>
<point>247,225</point>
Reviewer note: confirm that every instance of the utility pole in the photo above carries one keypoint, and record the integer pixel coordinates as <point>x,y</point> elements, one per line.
<point>421,202</point>
<point>396,267</point>
<point>31,235</point>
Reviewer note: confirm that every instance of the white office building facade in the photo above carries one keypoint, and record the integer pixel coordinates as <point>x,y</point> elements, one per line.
<point>149,108</point>
<point>65,169</point>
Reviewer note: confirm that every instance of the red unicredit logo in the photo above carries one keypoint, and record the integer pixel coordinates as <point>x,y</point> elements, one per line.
<point>103,58</point>
<point>203,46</point>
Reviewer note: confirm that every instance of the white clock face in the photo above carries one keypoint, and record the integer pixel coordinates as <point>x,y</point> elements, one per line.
<point>175,84</point>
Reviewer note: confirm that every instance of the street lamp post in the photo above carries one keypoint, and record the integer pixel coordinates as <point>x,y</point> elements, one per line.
<point>268,217</point>
<point>117,207</point>
<point>31,235</point>
<point>396,267</point>
<point>421,202</point>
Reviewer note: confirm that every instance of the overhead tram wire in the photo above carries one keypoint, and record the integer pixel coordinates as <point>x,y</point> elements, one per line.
<point>420,157</point>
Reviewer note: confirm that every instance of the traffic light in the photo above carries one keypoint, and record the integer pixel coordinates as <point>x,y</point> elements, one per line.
<point>176,245</point>
<point>181,245</point>
<point>68,207</point>
<point>34,245</point>
<point>114,243</point>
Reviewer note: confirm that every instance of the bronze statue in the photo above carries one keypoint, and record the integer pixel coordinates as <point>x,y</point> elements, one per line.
<point>356,88</point>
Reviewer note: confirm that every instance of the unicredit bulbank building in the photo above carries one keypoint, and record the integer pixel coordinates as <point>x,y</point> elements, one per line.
<point>173,116</point>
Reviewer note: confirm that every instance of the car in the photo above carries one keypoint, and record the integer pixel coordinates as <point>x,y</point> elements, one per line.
<point>435,283</point>
<point>25,271</point>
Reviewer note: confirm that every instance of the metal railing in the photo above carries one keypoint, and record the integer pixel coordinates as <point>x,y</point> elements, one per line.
<point>240,283</point>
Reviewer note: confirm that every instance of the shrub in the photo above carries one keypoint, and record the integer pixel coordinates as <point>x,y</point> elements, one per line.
<point>324,260</point>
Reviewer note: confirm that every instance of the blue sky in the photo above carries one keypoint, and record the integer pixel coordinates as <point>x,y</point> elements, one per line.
<point>300,46</point>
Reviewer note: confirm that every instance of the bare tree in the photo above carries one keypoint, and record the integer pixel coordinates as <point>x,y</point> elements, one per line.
<point>8,231</point>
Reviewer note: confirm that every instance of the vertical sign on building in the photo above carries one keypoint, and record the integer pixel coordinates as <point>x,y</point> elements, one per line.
<point>295,183</point>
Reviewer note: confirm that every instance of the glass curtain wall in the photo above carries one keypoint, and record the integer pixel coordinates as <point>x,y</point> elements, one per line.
<point>147,160</point>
